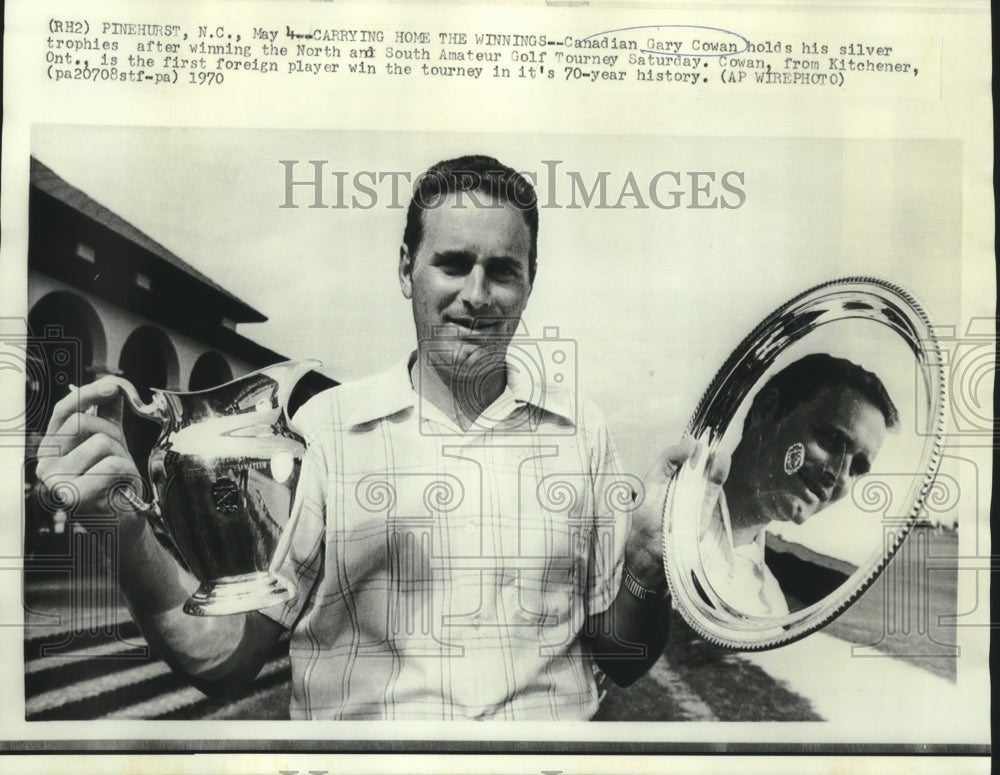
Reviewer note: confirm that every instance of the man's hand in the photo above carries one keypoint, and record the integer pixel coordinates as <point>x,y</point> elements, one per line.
<point>221,655</point>
<point>644,549</point>
<point>94,463</point>
<point>629,637</point>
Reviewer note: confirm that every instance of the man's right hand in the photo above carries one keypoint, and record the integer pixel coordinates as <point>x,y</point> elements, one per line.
<point>220,654</point>
<point>93,463</point>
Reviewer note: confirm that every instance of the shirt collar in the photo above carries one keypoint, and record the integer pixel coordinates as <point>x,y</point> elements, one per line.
<point>391,392</point>
<point>754,548</point>
<point>531,389</point>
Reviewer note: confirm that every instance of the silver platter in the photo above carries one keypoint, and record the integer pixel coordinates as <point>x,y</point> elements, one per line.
<point>868,308</point>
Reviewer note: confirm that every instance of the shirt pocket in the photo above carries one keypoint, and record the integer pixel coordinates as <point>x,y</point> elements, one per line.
<point>552,571</point>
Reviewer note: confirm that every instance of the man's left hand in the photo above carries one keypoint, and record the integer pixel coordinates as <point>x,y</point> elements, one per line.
<point>644,548</point>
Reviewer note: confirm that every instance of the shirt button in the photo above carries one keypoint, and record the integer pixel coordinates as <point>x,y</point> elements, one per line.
<point>470,527</point>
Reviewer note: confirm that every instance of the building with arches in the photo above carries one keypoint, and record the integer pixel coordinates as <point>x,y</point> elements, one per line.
<point>106,298</point>
<point>126,303</point>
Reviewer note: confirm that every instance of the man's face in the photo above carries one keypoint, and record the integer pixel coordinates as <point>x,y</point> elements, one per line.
<point>469,284</point>
<point>841,432</point>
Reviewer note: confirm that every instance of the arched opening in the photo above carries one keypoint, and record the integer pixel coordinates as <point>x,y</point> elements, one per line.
<point>210,370</point>
<point>148,360</point>
<point>65,340</point>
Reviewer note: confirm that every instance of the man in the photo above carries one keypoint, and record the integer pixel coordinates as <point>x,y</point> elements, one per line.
<point>443,569</point>
<point>815,427</point>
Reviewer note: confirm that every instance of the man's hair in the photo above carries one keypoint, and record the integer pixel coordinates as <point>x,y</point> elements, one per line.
<point>803,379</point>
<point>472,174</point>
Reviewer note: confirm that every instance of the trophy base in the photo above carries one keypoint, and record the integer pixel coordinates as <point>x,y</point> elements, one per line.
<point>239,594</point>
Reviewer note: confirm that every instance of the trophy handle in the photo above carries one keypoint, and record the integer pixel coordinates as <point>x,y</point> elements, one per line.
<point>295,370</point>
<point>151,510</point>
<point>157,410</point>
<point>287,375</point>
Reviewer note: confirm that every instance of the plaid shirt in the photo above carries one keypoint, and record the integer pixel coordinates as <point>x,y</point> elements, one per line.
<point>445,574</point>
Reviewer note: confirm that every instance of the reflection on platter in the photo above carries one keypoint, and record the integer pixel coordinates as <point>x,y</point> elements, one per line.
<point>823,413</point>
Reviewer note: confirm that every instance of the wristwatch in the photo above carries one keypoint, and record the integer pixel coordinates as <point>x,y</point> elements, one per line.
<point>638,590</point>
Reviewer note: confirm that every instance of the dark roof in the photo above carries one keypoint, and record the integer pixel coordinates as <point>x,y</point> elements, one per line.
<point>44,179</point>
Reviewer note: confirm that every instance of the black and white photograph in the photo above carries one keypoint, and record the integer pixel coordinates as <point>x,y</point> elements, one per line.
<point>318,238</point>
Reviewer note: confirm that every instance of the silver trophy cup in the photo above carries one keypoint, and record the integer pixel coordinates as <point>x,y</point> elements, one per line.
<point>224,472</point>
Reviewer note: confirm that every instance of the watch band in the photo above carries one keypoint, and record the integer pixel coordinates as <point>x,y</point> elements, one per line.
<point>638,590</point>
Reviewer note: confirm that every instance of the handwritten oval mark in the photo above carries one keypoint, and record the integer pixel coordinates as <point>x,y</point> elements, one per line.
<point>691,40</point>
